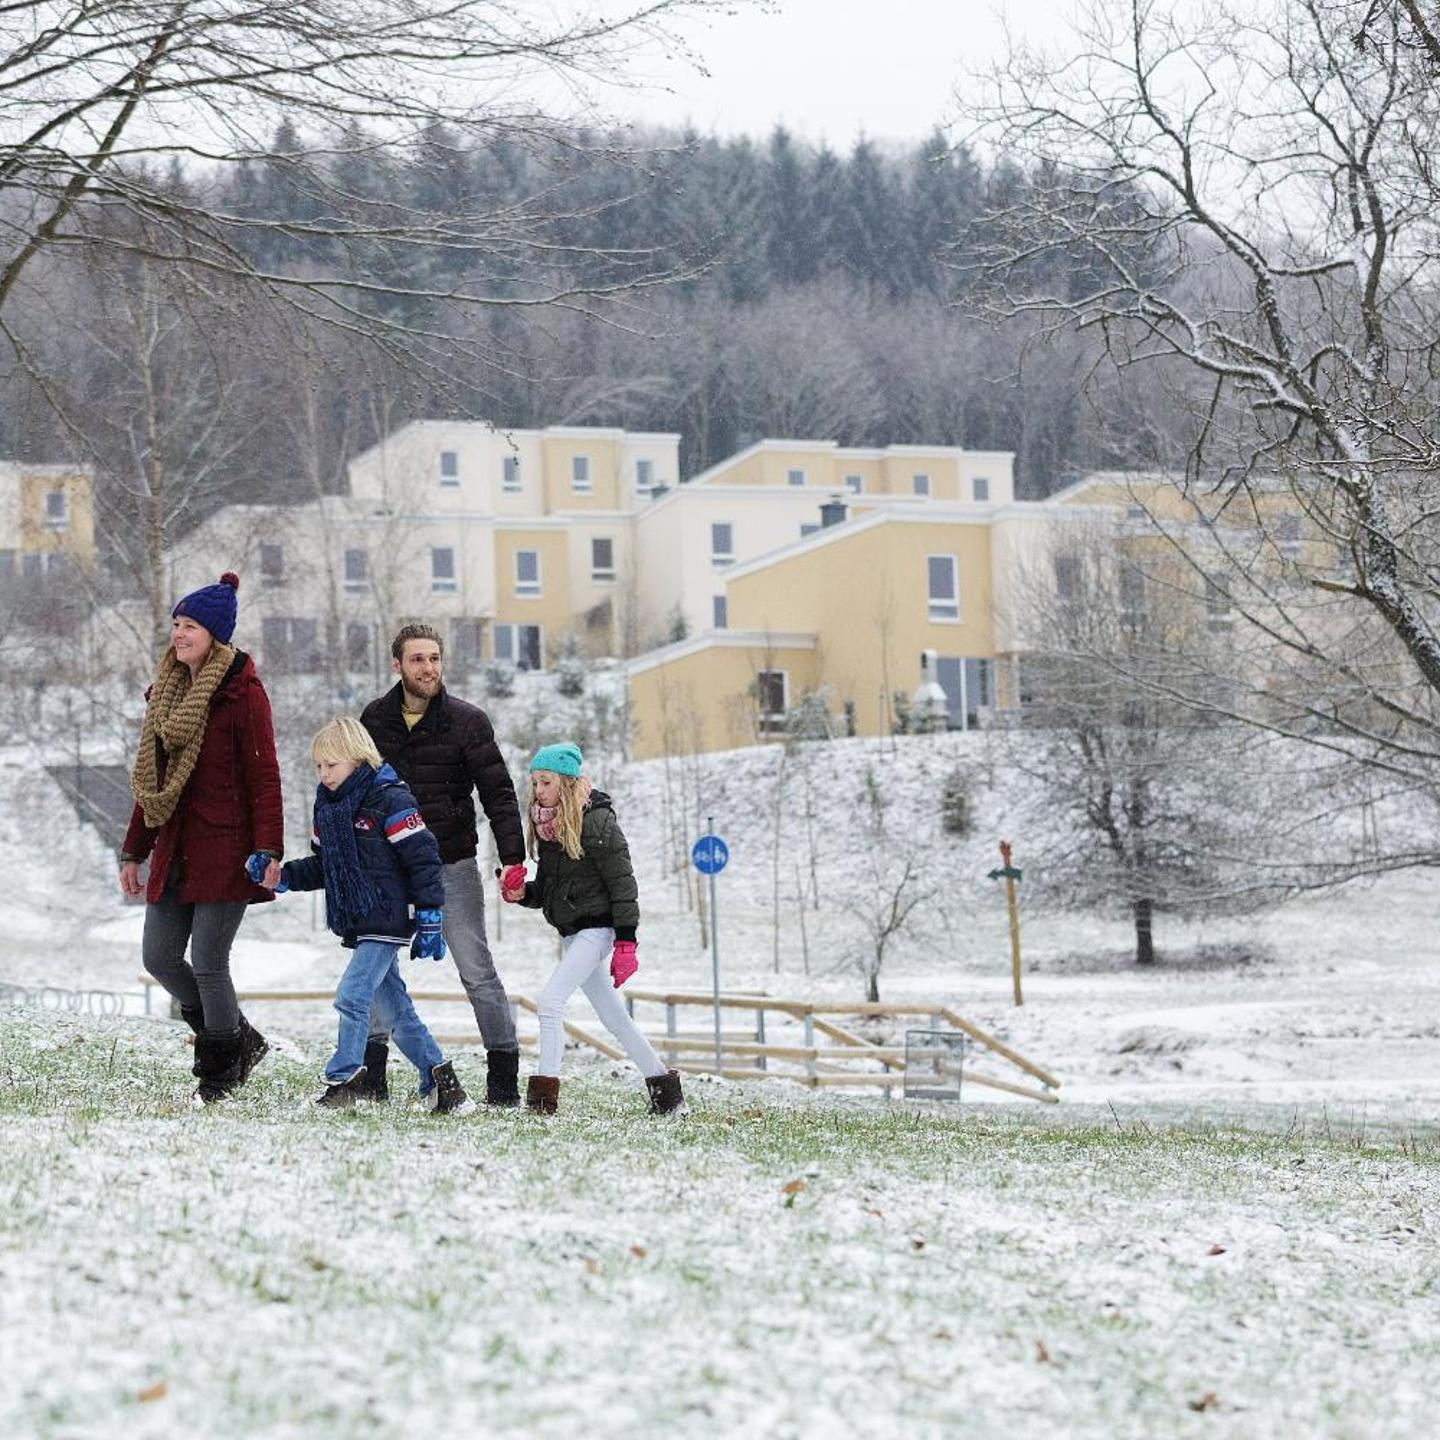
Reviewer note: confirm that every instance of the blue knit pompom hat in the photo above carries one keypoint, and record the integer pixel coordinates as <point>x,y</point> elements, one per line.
<point>212,606</point>
<point>563,759</point>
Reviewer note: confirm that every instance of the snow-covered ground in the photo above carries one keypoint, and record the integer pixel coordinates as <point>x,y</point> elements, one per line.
<point>1226,1227</point>
<point>774,1264</point>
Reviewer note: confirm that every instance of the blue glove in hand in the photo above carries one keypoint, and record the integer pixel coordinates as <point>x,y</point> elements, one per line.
<point>257,865</point>
<point>429,941</point>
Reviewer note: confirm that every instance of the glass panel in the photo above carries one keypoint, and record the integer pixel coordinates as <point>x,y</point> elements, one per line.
<point>719,612</point>
<point>795,477</point>
<point>449,465</point>
<point>982,488</point>
<point>529,644</point>
<point>504,642</point>
<point>442,563</point>
<point>527,567</point>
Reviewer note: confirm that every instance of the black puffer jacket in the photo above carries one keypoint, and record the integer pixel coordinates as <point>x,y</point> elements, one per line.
<point>596,891</point>
<point>450,754</point>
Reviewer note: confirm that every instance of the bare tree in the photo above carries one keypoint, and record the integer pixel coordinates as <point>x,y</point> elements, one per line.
<point>1243,199</point>
<point>1134,801</point>
<point>101,105</point>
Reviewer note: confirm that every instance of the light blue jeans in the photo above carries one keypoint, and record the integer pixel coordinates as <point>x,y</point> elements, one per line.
<point>373,977</point>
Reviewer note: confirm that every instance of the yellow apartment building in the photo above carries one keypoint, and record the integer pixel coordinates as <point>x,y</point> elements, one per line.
<point>47,520</point>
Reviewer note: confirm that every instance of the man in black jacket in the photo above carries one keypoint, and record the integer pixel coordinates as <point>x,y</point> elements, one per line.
<point>444,749</point>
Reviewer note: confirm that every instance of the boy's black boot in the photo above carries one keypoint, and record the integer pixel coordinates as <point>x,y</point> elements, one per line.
<point>254,1047</point>
<point>542,1094</point>
<point>502,1078</point>
<point>374,1087</point>
<point>194,1017</point>
<point>666,1096</point>
<point>448,1097</point>
<point>218,1064</point>
<point>344,1095</point>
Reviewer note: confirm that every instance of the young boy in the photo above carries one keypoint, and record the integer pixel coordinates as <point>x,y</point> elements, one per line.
<point>375,859</point>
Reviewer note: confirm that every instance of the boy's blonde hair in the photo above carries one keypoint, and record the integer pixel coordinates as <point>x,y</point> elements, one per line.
<point>574,791</point>
<point>345,738</point>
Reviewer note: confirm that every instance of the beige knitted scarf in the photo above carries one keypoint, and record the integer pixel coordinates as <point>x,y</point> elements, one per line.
<point>176,716</point>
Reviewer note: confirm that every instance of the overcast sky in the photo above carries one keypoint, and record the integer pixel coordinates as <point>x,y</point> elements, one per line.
<point>832,69</point>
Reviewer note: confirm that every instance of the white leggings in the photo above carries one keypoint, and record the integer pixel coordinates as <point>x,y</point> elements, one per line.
<point>583,967</point>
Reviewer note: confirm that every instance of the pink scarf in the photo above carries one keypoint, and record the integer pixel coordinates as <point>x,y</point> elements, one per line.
<point>542,817</point>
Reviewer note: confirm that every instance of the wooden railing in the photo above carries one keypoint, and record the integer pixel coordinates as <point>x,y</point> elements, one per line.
<point>797,1040</point>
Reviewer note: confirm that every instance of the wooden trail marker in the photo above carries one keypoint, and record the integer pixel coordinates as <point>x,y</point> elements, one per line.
<point>1010,875</point>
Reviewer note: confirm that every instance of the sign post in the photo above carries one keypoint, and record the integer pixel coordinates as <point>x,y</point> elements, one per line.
<point>710,855</point>
<point>1010,875</point>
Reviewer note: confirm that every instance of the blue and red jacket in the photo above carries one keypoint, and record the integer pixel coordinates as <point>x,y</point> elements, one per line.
<point>398,854</point>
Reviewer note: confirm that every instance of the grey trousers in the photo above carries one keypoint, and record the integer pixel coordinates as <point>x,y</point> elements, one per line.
<point>470,950</point>
<point>209,929</point>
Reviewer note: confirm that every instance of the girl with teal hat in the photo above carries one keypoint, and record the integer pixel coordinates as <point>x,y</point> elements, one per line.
<point>585,886</point>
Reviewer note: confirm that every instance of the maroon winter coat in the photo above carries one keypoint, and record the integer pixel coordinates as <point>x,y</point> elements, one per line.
<point>230,806</point>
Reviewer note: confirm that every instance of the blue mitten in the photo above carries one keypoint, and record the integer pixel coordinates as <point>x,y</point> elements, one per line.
<point>429,941</point>
<point>258,864</point>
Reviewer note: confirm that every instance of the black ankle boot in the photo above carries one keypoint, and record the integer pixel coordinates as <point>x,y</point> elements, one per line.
<point>344,1095</point>
<point>373,1087</point>
<point>448,1097</point>
<point>253,1048</point>
<point>666,1096</point>
<point>502,1078</point>
<point>218,1064</point>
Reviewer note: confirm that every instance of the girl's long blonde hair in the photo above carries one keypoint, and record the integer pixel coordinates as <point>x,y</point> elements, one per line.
<point>574,792</point>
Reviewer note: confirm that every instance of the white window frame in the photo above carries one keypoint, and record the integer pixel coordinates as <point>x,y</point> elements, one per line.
<point>443,584</point>
<point>357,584</point>
<point>598,572</point>
<point>920,483</point>
<point>980,489</point>
<point>855,484</point>
<point>57,521</point>
<point>772,722</point>
<point>510,481</point>
<point>794,476</point>
<point>529,589</point>
<point>644,476</point>
<point>505,641</point>
<point>942,610</point>
<point>450,479</point>
<point>581,482</point>
<point>722,558</point>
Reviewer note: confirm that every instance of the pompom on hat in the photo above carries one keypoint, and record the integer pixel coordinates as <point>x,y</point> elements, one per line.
<point>563,759</point>
<point>212,606</point>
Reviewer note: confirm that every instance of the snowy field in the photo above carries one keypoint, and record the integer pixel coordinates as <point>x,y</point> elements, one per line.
<point>1226,1227</point>
<point>772,1265</point>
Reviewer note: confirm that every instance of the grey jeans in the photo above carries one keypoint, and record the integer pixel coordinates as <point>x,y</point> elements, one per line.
<point>209,928</point>
<point>470,950</point>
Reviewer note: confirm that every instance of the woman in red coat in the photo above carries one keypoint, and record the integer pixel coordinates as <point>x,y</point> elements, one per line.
<point>207,802</point>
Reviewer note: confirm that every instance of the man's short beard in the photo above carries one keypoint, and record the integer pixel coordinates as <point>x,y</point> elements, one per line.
<point>417,694</point>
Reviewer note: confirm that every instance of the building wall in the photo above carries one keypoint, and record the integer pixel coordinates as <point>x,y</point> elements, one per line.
<point>701,700</point>
<point>24,528</point>
<point>672,541</point>
<point>864,595</point>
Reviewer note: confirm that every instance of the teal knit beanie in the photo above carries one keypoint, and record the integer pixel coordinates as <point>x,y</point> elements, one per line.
<point>563,759</point>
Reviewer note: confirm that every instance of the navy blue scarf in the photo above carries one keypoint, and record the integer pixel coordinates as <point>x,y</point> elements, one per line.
<point>349,895</point>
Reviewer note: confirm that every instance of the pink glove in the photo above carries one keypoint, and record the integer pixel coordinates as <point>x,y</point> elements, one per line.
<point>623,963</point>
<point>512,884</point>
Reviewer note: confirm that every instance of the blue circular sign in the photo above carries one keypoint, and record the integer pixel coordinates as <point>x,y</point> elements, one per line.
<point>710,854</point>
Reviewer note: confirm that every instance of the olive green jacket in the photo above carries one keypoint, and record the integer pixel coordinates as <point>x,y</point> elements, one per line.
<point>594,892</point>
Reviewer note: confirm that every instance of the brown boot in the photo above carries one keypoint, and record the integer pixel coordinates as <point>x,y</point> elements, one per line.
<point>666,1096</point>
<point>542,1094</point>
